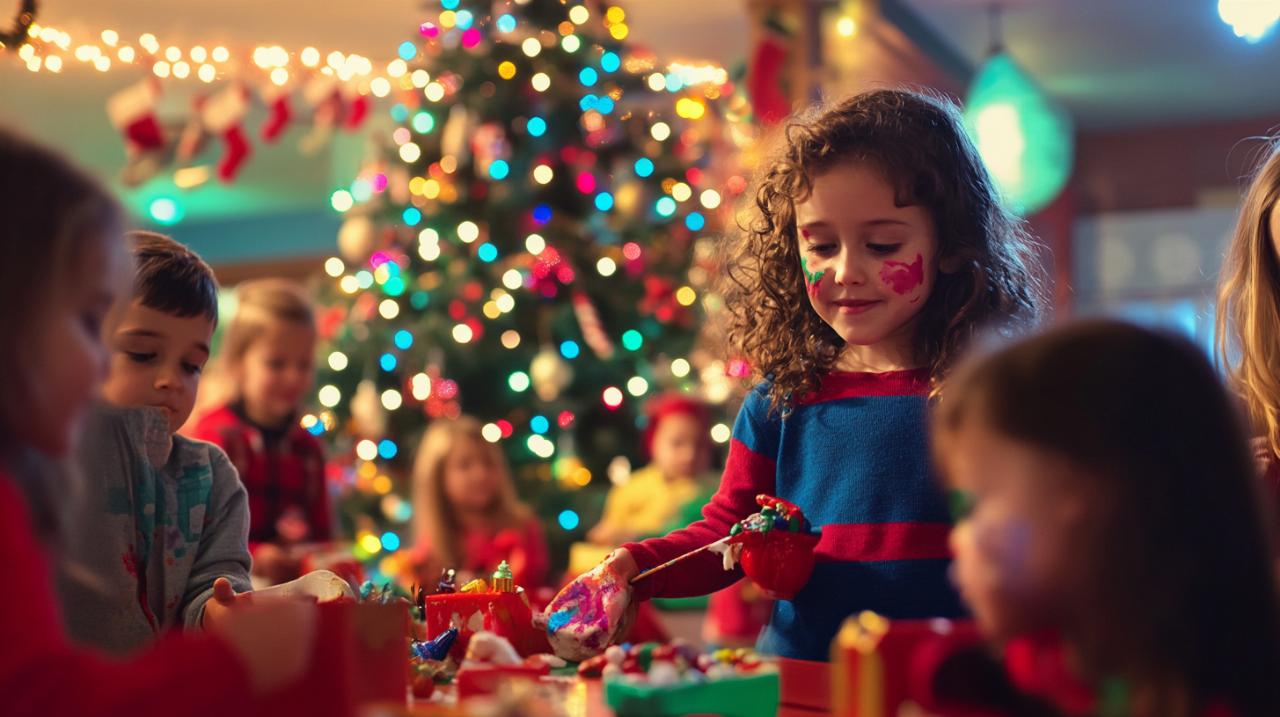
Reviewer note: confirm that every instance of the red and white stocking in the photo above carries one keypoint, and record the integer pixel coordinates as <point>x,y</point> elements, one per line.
<point>279,112</point>
<point>223,115</point>
<point>132,112</point>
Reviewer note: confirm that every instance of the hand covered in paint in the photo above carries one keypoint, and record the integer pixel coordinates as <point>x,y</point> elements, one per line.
<point>223,600</point>
<point>594,610</point>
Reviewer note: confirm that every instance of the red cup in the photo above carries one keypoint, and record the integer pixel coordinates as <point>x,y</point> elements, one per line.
<point>778,561</point>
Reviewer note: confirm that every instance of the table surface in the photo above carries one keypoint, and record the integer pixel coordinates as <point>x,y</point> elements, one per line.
<point>583,698</point>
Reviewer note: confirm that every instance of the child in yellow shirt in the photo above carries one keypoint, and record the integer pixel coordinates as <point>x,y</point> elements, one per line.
<point>677,441</point>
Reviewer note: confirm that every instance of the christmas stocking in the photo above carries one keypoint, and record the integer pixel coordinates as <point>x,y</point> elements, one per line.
<point>133,113</point>
<point>279,113</point>
<point>766,73</point>
<point>321,94</point>
<point>357,108</point>
<point>223,115</point>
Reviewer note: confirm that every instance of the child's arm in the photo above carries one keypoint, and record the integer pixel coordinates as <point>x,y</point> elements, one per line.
<point>41,673</point>
<point>223,551</point>
<point>750,470</point>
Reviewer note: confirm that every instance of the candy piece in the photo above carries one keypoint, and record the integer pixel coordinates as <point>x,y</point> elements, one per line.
<point>644,655</point>
<point>615,655</point>
<point>476,586</point>
<point>592,666</point>
<point>663,673</point>
<point>423,686</point>
<point>436,648</point>
<point>503,581</point>
<point>448,581</point>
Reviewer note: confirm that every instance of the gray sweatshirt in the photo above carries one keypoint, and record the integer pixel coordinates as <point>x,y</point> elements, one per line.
<point>159,518</point>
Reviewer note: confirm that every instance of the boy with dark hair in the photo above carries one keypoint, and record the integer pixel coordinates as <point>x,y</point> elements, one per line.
<point>163,517</point>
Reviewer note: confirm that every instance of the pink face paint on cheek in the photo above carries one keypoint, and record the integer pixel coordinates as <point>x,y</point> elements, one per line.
<point>901,276</point>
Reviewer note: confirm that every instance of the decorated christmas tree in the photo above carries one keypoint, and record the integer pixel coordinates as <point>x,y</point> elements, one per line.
<point>533,245</point>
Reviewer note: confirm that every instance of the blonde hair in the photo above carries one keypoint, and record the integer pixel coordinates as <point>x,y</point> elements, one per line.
<point>259,304</point>
<point>1248,314</point>
<point>435,524</point>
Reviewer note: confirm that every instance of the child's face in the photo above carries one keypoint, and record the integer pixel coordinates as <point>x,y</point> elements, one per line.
<point>69,358</point>
<point>156,359</point>
<point>276,371</point>
<point>470,477</point>
<point>1018,552</point>
<point>680,446</point>
<point>869,264</point>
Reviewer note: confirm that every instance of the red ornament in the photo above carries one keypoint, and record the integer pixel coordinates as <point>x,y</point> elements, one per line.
<point>423,687</point>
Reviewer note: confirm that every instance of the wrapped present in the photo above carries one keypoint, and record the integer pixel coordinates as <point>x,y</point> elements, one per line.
<point>480,681</point>
<point>505,613</point>
<point>878,665</point>
<point>360,658</point>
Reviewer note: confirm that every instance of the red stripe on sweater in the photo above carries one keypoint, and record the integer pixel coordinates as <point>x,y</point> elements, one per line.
<point>883,541</point>
<point>841,384</point>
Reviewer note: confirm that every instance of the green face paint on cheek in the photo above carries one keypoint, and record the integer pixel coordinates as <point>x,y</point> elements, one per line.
<point>811,278</point>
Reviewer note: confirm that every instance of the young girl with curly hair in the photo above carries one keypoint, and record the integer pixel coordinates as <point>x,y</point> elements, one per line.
<point>878,249</point>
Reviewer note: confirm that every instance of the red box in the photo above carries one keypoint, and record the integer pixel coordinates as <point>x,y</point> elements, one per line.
<point>485,680</point>
<point>505,614</point>
<point>878,664</point>
<point>360,657</point>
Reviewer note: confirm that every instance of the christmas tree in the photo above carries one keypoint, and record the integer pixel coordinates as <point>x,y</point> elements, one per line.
<point>532,245</point>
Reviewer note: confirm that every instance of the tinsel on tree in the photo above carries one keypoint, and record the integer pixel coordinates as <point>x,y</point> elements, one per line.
<point>533,244</point>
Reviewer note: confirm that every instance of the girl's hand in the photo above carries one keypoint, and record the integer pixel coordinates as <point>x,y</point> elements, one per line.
<point>594,610</point>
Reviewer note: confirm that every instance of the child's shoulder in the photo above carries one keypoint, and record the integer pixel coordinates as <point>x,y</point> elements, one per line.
<point>193,453</point>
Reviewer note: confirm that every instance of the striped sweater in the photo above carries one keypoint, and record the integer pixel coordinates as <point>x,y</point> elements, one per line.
<point>854,457</point>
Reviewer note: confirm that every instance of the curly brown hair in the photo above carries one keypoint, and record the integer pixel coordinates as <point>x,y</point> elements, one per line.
<point>917,140</point>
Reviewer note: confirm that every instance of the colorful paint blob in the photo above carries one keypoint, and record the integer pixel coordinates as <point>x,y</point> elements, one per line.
<point>811,278</point>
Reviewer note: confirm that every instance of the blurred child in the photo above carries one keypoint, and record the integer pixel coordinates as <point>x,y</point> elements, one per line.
<point>1248,325</point>
<point>62,267</point>
<point>466,515</point>
<point>162,517</point>
<point>1111,538</point>
<point>269,352</point>
<point>878,247</point>
<point>678,442</point>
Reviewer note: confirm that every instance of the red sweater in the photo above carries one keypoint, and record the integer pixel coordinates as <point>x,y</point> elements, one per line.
<point>41,673</point>
<point>283,473</point>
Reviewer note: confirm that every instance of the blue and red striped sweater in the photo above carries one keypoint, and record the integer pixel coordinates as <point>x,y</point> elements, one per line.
<point>854,457</point>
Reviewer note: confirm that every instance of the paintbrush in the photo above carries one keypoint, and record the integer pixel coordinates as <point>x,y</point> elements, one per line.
<point>678,559</point>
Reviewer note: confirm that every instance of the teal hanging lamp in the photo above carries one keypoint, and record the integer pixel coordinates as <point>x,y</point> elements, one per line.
<point>1023,136</point>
